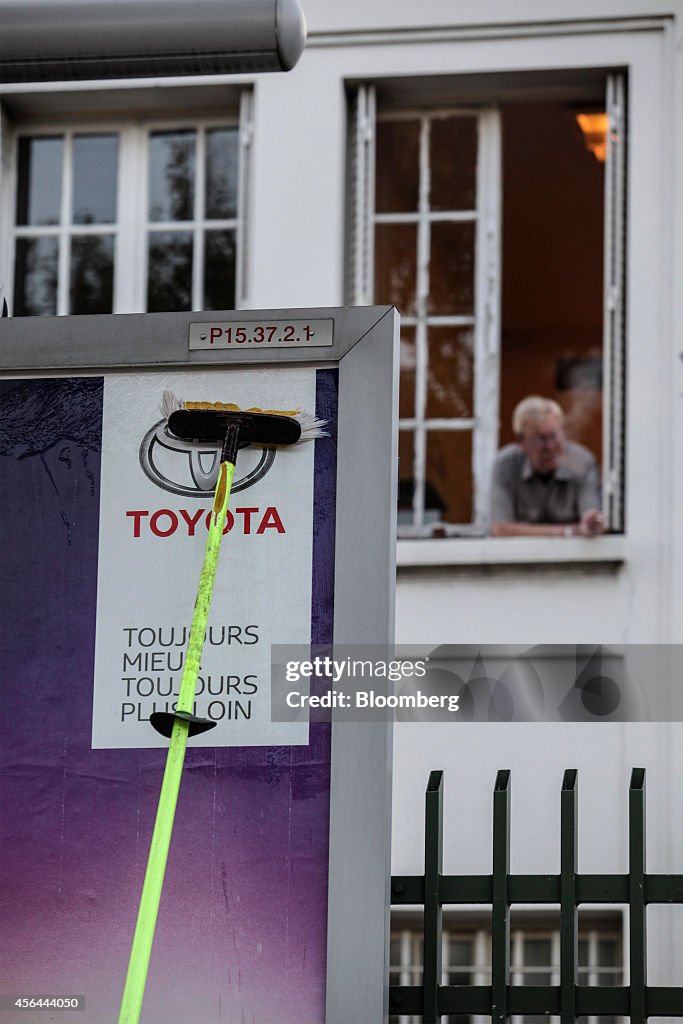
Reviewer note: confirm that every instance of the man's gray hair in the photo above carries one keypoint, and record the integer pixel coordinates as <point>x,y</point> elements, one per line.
<point>533,408</point>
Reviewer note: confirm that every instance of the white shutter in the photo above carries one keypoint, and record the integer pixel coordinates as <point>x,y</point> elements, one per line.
<point>242,282</point>
<point>487,312</point>
<point>361,197</point>
<point>614,305</point>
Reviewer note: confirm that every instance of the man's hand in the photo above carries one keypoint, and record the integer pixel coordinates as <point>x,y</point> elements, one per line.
<point>592,523</point>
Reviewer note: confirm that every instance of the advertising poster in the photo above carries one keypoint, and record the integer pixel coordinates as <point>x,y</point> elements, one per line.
<point>156,498</point>
<point>102,541</point>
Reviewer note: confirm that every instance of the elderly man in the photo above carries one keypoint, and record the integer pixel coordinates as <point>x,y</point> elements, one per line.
<point>544,485</point>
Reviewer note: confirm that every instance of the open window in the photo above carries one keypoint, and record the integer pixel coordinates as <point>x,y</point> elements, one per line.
<point>491,214</point>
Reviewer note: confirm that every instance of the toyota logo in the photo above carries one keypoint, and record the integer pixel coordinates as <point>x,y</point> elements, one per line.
<point>190,468</point>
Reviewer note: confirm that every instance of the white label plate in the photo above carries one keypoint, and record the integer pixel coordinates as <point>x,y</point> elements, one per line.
<point>264,334</point>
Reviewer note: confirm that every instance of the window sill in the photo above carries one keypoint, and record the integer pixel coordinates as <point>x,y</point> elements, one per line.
<point>510,550</point>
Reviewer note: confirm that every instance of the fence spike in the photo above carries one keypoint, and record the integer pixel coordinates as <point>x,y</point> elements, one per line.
<point>636,895</point>
<point>432,897</point>
<point>500,923</point>
<point>499,888</point>
<point>568,900</point>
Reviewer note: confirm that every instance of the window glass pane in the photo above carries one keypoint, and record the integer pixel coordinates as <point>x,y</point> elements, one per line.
<point>453,163</point>
<point>406,404</point>
<point>537,952</point>
<point>169,274</point>
<point>448,485</point>
<point>398,166</point>
<point>35,277</point>
<point>460,952</point>
<point>405,477</point>
<point>536,978</point>
<point>39,180</point>
<point>450,382</point>
<point>219,270</point>
<point>607,953</point>
<point>92,273</point>
<point>455,977</point>
<point>553,225</point>
<point>171,175</point>
<point>396,266</point>
<point>451,270</point>
<point>95,166</point>
<point>222,153</point>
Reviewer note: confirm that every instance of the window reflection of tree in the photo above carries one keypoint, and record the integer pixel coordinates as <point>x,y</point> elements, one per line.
<point>174,181</point>
<point>222,155</point>
<point>36,277</point>
<point>169,277</point>
<point>92,274</point>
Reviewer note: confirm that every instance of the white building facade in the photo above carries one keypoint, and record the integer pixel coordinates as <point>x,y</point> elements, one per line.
<point>430,155</point>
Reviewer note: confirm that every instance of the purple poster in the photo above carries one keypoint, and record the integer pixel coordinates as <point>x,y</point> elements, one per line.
<point>241,933</point>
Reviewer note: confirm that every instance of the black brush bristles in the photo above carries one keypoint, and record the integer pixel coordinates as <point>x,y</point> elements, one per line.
<point>266,429</point>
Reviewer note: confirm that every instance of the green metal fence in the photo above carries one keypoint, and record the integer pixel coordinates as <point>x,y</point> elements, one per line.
<point>499,890</point>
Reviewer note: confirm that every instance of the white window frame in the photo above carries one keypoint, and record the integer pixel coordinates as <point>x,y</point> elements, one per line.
<point>360,285</point>
<point>65,230</point>
<point>485,318</point>
<point>518,969</point>
<point>410,968</point>
<point>132,226</point>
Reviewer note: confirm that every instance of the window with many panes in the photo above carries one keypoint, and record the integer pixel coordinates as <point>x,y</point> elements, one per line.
<point>534,960</point>
<point>131,217</point>
<point>496,228</point>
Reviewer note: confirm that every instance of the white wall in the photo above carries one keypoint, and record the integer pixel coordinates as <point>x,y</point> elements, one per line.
<point>627,599</point>
<point>297,260</point>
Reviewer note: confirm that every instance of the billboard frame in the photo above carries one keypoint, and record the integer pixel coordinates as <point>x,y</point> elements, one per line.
<point>364,350</point>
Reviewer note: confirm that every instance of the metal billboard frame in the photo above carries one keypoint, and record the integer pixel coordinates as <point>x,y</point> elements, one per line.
<point>364,349</point>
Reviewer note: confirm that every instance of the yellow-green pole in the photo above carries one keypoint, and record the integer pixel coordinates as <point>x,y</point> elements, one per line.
<point>141,950</point>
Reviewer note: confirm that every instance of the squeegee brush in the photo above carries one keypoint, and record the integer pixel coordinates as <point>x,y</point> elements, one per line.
<point>211,425</point>
<point>231,428</point>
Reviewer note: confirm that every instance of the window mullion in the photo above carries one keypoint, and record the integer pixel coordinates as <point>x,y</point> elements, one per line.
<point>517,964</point>
<point>63,264</point>
<point>406,957</point>
<point>482,975</point>
<point>593,978</point>
<point>131,239</point>
<point>445,955</point>
<point>555,958</point>
<point>125,239</point>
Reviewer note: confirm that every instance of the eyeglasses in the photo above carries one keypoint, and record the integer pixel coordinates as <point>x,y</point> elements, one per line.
<point>539,440</point>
